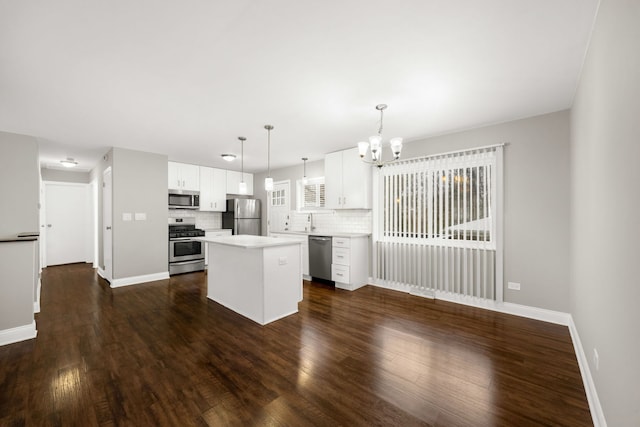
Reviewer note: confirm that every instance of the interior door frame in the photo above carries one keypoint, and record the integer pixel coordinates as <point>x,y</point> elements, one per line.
<point>87,209</point>
<point>107,221</point>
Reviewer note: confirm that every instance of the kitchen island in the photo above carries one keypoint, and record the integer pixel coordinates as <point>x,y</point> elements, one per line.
<point>255,276</point>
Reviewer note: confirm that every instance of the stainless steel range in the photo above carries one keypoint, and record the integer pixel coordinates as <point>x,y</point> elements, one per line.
<point>185,253</point>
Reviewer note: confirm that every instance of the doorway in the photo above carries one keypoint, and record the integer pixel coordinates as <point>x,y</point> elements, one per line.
<point>67,223</point>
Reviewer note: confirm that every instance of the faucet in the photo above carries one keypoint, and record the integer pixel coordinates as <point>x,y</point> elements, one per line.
<point>310,220</point>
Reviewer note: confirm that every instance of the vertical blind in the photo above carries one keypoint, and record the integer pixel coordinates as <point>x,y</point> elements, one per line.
<point>437,227</point>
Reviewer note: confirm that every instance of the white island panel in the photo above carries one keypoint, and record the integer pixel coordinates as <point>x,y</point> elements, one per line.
<point>257,277</point>
<point>233,280</point>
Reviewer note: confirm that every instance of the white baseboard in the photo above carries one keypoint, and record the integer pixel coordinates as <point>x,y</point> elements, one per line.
<point>20,333</point>
<point>134,280</point>
<point>536,313</point>
<point>589,386</point>
<point>100,272</point>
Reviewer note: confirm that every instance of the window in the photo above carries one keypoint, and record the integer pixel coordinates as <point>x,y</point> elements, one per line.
<point>279,197</point>
<point>310,195</point>
<point>440,200</point>
<point>436,222</point>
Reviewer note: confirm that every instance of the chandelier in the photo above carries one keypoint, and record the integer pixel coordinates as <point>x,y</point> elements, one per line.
<point>375,144</point>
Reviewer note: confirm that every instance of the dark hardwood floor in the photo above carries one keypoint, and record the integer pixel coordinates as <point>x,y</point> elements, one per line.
<point>161,354</point>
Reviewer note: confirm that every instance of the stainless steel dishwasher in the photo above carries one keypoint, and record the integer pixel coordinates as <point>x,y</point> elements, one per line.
<point>320,257</point>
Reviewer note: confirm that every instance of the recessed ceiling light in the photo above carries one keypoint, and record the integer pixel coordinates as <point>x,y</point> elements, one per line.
<point>69,163</point>
<point>229,157</point>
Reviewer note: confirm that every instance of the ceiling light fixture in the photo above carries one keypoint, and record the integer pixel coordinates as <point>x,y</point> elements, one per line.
<point>305,181</point>
<point>69,162</point>
<point>228,157</point>
<point>375,142</point>
<point>268,181</point>
<point>242,187</point>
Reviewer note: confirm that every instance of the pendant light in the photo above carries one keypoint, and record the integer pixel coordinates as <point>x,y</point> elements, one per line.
<point>242,188</point>
<point>375,143</point>
<point>268,181</point>
<point>305,181</point>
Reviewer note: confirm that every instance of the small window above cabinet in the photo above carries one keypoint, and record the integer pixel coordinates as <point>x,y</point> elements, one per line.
<point>347,180</point>
<point>310,196</point>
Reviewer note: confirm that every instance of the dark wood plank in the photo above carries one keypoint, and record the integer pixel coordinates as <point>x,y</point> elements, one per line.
<point>162,354</point>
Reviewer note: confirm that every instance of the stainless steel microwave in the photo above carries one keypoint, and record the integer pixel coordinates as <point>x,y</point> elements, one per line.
<point>184,200</point>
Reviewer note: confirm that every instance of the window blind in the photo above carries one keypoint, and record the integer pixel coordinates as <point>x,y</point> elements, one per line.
<point>437,228</point>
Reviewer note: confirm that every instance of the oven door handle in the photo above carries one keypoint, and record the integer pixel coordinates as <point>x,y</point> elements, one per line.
<point>187,262</point>
<point>177,239</point>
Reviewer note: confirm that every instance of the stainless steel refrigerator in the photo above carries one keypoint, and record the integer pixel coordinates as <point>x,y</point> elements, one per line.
<point>243,216</point>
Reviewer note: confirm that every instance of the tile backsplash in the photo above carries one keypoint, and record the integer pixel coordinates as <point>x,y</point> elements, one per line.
<point>347,221</point>
<point>204,220</point>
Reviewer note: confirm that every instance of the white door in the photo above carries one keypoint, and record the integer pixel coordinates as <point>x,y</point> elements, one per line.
<point>107,235</point>
<point>278,212</point>
<point>66,223</point>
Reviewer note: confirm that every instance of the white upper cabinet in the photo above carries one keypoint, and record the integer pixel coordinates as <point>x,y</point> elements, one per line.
<point>233,182</point>
<point>183,176</point>
<point>213,189</point>
<point>347,181</point>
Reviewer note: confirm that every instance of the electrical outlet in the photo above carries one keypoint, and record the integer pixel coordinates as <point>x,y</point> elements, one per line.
<point>282,260</point>
<point>514,285</point>
<point>596,359</point>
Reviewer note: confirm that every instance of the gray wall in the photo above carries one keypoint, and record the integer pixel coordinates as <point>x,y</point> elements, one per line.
<point>536,202</point>
<point>65,176</point>
<point>19,184</point>
<point>19,192</point>
<point>605,150</point>
<point>139,185</point>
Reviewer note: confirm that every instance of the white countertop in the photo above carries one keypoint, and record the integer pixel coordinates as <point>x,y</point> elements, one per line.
<point>249,242</point>
<point>318,233</point>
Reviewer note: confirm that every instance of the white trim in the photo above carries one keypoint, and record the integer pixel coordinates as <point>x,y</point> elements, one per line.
<point>597,415</point>
<point>450,153</point>
<point>36,303</point>
<point>529,312</point>
<point>100,272</point>
<point>134,280</point>
<point>17,334</point>
<point>499,218</point>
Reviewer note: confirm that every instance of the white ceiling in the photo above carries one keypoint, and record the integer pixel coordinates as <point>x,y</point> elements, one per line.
<point>185,78</point>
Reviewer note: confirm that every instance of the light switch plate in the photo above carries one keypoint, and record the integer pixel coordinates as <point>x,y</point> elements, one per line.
<point>126,216</point>
<point>513,285</point>
<point>141,216</point>
<point>282,260</point>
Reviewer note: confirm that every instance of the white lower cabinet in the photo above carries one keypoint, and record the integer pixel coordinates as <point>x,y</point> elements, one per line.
<point>304,239</point>
<point>213,233</point>
<point>350,262</point>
